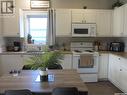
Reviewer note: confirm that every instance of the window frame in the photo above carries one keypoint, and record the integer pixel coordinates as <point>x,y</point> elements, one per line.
<point>26,23</point>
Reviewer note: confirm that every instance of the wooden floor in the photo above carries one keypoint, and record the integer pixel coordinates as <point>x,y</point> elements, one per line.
<point>102,88</point>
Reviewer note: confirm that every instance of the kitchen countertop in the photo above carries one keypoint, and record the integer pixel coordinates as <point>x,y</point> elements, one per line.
<point>29,53</point>
<point>120,54</point>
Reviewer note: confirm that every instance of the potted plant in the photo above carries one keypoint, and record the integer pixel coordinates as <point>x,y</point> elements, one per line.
<point>44,61</point>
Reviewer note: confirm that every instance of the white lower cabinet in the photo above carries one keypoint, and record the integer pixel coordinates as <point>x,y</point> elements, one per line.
<point>16,62</point>
<point>114,68</point>
<point>103,66</point>
<point>123,78</point>
<point>67,61</point>
<point>11,62</point>
<point>118,72</point>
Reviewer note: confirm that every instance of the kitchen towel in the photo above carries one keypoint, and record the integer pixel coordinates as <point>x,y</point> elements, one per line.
<point>86,61</point>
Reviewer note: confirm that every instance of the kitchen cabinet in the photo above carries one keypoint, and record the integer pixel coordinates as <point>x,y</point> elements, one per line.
<point>118,21</point>
<point>103,66</point>
<point>118,71</point>
<point>114,69</point>
<point>10,27</point>
<point>103,19</point>
<point>83,16</point>
<point>0,26</point>
<point>67,61</point>
<point>0,66</point>
<point>11,62</point>
<point>16,62</point>
<point>104,23</point>
<point>63,22</point>
<point>125,20</point>
<point>123,78</point>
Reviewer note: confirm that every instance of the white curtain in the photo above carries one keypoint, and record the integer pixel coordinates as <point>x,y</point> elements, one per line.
<point>51,28</point>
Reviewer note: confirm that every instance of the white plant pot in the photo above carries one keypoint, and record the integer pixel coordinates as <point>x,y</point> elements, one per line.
<point>43,73</point>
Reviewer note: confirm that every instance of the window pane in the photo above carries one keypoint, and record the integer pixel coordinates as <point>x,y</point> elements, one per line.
<point>38,29</point>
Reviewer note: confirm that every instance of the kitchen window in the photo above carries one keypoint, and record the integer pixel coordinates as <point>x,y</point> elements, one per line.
<point>37,25</point>
<point>37,28</point>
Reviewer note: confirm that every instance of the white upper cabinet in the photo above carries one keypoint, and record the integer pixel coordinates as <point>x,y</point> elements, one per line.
<point>78,16</point>
<point>118,21</point>
<point>63,22</point>
<point>10,27</point>
<point>125,21</point>
<point>103,19</point>
<point>104,23</point>
<point>90,16</point>
<point>83,16</point>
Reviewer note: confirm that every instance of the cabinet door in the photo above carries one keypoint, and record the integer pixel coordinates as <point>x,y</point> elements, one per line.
<point>67,62</point>
<point>104,22</point>
<point>0,26</point>
<point>90,16</point>
<point>11,62</point>
<point>125,21</point>
<point>0,66</point>
<point>103,66</point>
<point>118,23</point>
<point>77,15</point>
<point>123,78</point>
<point>114,68</point>
<point>63,22</point>
<point>10,27</point>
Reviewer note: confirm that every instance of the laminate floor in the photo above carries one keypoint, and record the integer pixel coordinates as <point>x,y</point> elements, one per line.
<point>102,88</point>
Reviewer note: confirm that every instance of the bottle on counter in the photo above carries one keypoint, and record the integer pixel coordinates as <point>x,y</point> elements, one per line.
<point>96,45</point>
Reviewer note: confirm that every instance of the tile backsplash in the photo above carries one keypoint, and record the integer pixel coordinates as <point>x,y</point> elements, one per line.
<point>104,41</point>
<point>64,42</point>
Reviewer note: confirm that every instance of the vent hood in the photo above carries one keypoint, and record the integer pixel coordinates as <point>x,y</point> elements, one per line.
<point>39,4</point>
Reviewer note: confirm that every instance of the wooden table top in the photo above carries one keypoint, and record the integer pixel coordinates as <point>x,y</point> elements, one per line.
<point>26,80</point>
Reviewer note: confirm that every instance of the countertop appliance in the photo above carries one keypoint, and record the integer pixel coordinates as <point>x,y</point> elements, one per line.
<point>88,73</point>
<point>83,30</point>
<point>117,46</point>
<point>17,46</point>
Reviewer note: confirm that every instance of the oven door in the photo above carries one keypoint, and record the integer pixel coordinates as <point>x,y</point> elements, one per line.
<point>85,69</point>
<point>80,30</point>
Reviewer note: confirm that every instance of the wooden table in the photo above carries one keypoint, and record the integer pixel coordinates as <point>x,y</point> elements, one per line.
<point>26,80</point>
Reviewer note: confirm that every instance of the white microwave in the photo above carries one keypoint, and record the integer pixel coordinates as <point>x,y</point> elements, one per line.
<point>84,30</point>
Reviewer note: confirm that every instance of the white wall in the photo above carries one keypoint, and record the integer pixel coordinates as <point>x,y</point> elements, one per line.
<point>11,24</point>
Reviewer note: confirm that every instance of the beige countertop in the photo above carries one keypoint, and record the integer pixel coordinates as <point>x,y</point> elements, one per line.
<point>121,54</point>
<point>29,53</point>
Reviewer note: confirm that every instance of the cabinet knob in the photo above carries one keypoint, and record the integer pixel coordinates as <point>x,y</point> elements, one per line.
<point>120,69</point>
<point>119,58</point>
